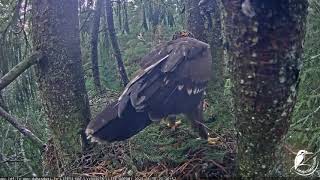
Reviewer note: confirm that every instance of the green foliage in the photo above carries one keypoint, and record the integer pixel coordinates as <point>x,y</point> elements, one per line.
<point>158,143</point>
<point>304,131</point>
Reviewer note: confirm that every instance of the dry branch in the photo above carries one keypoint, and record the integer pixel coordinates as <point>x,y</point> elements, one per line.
<point>19,69</point>
<point>22,129</point>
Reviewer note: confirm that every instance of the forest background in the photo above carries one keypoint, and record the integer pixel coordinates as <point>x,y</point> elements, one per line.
<point>114,36</point>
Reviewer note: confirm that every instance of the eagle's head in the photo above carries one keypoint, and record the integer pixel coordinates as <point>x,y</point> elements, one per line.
<point>181,34</point>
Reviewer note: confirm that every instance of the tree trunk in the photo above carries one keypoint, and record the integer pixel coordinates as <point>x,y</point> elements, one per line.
<point>126,20</point>
<point>106,51</point>
<point>94,45</point>
<point>1,74</point>
<point>144,17</point>
<point>55,26</point>
<point>195,21</point>
<point>266,39</point>
<point>2,104</point>
<point>114,43</point>
<point>118,12</point>
<point>217,47</point>
<point>216,84</point>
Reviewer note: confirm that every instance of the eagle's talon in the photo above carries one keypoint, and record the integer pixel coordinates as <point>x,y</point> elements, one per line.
<point>213,141</point>
<point>174,125</point>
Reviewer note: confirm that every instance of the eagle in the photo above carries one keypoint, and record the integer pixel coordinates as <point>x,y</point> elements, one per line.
<point>172,80</point>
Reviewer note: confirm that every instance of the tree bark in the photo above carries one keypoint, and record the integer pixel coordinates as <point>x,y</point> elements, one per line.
<point>94,45</point>
<point>266,38</point>
<point>144,17</point>
<point>216,84</point>
<point>2,103</point>
<point>2,69</point>
<point>217,47</point>
<point>126,19</point>
<point>195,21</point>
<point>114,43</point>
<point>55,25</point>
<point>118,12</point>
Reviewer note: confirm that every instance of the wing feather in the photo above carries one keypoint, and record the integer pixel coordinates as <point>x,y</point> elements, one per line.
<point>182,65</point>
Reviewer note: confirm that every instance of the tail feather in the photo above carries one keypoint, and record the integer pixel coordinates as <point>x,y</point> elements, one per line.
<point>107,126</point>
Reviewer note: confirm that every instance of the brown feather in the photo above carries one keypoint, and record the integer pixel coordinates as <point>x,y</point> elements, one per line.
<point>183,62</point>
<point>172,81</point>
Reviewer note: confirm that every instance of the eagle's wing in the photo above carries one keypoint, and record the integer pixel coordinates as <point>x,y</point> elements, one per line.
<point>182,65</point>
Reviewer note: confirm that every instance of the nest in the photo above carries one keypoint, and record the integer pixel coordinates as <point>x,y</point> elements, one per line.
<point>179,154</point>
<point>117,160</point>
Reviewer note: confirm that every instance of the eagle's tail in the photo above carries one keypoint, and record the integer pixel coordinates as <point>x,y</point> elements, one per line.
<point>107,126</point>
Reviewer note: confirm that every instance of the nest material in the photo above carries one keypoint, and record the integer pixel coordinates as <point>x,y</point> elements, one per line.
<point>122,158</point>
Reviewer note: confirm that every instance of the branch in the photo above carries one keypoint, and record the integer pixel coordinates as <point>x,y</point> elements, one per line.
<point>307,130</point>
<point>19,68</point>
<point>22,129</point>
<point>86,20</point>
<point>14,17</point>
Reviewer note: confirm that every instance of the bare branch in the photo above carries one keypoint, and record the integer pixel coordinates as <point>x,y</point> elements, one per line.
<point>86,20</point>
<point>14,17</point>
<point>22,129</point>
<point>19,68</point>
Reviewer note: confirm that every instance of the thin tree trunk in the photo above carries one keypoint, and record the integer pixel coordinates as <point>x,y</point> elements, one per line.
<point>266,39</point>
<point>2,64</point>
<point>114,42</point>
<point>119,14</point>
<point>2,103</point>
<point>195,21</point>
<point>94,45</point>
<point>105,51</point>
<point>144,17</point>
<point>55,26</point>
<point>126,20</point>
<point>216,84</point>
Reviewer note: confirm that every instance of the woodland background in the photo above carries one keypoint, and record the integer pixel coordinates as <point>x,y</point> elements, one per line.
<point>138,26</point>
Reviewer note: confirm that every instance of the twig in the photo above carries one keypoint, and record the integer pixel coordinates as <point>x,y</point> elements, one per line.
<point>11,161</point>
<point>305,118</point>
<point>22,129</point>
<point>289,149</point>
<point>219,166</point>
<point>86,20</point>
<point>13,19</point>
<point>309,130</point>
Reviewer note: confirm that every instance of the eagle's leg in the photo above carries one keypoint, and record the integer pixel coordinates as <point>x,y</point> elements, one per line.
<point>172,123</point>
<point>197,122</point>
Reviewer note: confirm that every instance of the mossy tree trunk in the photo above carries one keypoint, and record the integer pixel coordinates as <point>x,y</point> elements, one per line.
<point>115,44</point>
<point>55,27</point>
<point>266,38</point>
<point>94,45</point>
<point>216,84</point>
<point>217,46</point>
<point>195,21</point>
